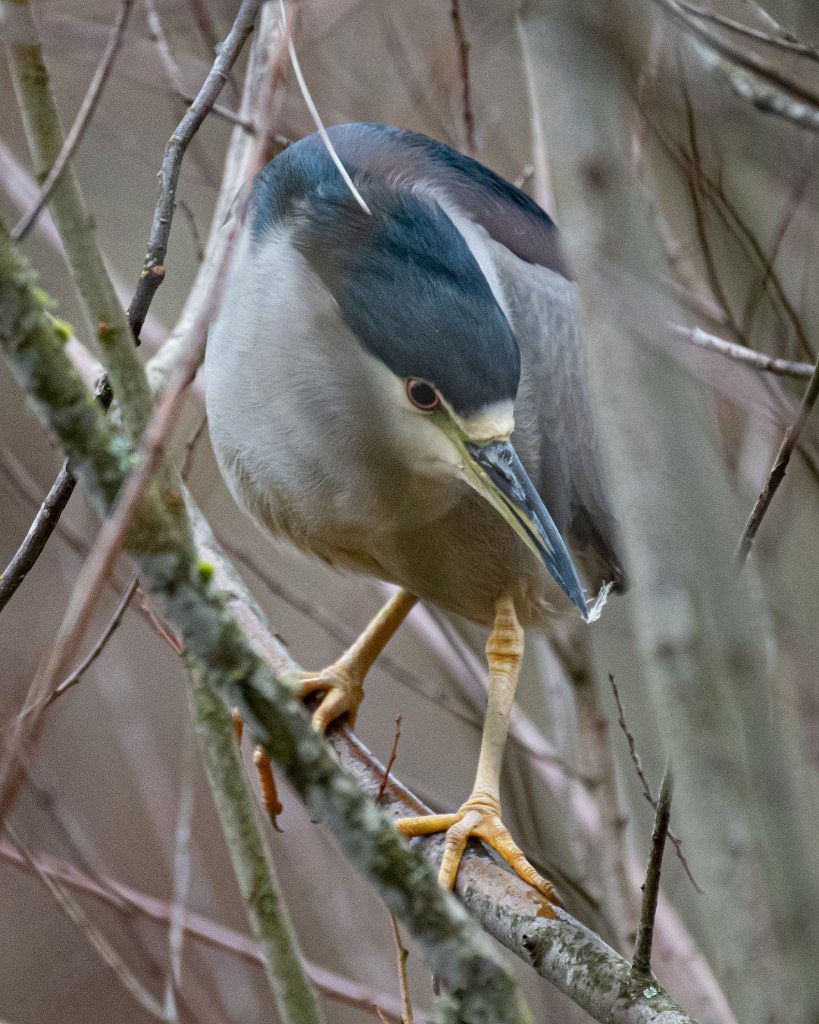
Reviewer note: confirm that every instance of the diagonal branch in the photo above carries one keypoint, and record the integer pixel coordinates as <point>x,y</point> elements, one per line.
<point>651,887</point>
<point>789,43</point>
<point>779,468</point>
<point>742,354</point>
<point>48,515</point>
<point>236,806</point>
<point>153,269</point>
<point>736,55</point>
<point>161,545</point>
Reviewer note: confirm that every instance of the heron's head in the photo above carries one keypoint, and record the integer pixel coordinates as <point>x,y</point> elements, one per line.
<point>408,286</point>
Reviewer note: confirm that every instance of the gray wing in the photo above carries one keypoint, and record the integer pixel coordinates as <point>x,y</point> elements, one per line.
<point>555,426</point>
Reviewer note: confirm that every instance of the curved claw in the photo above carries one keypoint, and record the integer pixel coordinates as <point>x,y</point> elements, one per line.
<point>479,818</point>
<point>342,694</point>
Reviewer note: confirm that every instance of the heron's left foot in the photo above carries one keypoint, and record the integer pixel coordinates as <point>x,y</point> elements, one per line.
<point>342,684</point>
<point>480,817</point>
<point>342,688</point>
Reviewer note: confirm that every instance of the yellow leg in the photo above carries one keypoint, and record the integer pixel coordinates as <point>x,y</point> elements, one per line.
<point>264,769</point>
<point>480,816</point>
<point>342,683</point>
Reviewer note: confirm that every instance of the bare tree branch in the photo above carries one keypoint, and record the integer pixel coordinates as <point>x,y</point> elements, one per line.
<point>742,58</point>
<point>779,468</point>
<point>641,962</point>
<point>36,539</point>
<point>153,269</point>
<point>236,806</point>
<point>789,43</point>
<point>99,645</point>
<point>641,775</point>
<point>742,354</point>
<point>466,85</point>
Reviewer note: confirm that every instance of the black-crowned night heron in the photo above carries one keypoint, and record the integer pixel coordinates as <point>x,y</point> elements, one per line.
<point>396,384</point>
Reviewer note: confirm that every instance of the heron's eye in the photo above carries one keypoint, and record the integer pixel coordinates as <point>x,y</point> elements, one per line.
<point>422,395</point>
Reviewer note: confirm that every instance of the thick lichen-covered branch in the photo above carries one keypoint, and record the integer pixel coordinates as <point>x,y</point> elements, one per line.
<point>160,543</point>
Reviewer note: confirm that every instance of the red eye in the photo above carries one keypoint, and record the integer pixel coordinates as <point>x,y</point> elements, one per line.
<point>422,395</point>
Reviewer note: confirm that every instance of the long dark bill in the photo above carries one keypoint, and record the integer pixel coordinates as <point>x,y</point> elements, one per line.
<point>503,481</point>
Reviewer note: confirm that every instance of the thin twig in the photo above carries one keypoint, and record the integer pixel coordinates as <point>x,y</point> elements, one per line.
<point>207,31</point>
<point>46,519</point>
<point>740,230</point>
<point>401,955</point>
<point>161,628</point>
<point>782,42</point>
<point>99,646</point>
<point>176,82</point>
<point>156,32</point>
<point>743,354</point>
<point>694,181</point>
<point>790,206</point>
<point>743,58</point>
<point>153,270</point>
<point>190,449</point>
<point>761,94</point>
<point>641,775</point>
<point>391,761</point>
<point>466,86</point>
<point>97,940</point>
<point>86,112</point>
<point>641,962</point>
<point>196,238</point>
<point>36,539</point>
<point>571,648</point>
<point>779,468</point>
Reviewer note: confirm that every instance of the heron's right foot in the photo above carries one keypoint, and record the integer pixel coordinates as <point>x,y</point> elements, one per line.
<point>342,688</point>
<point>342,684</point>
